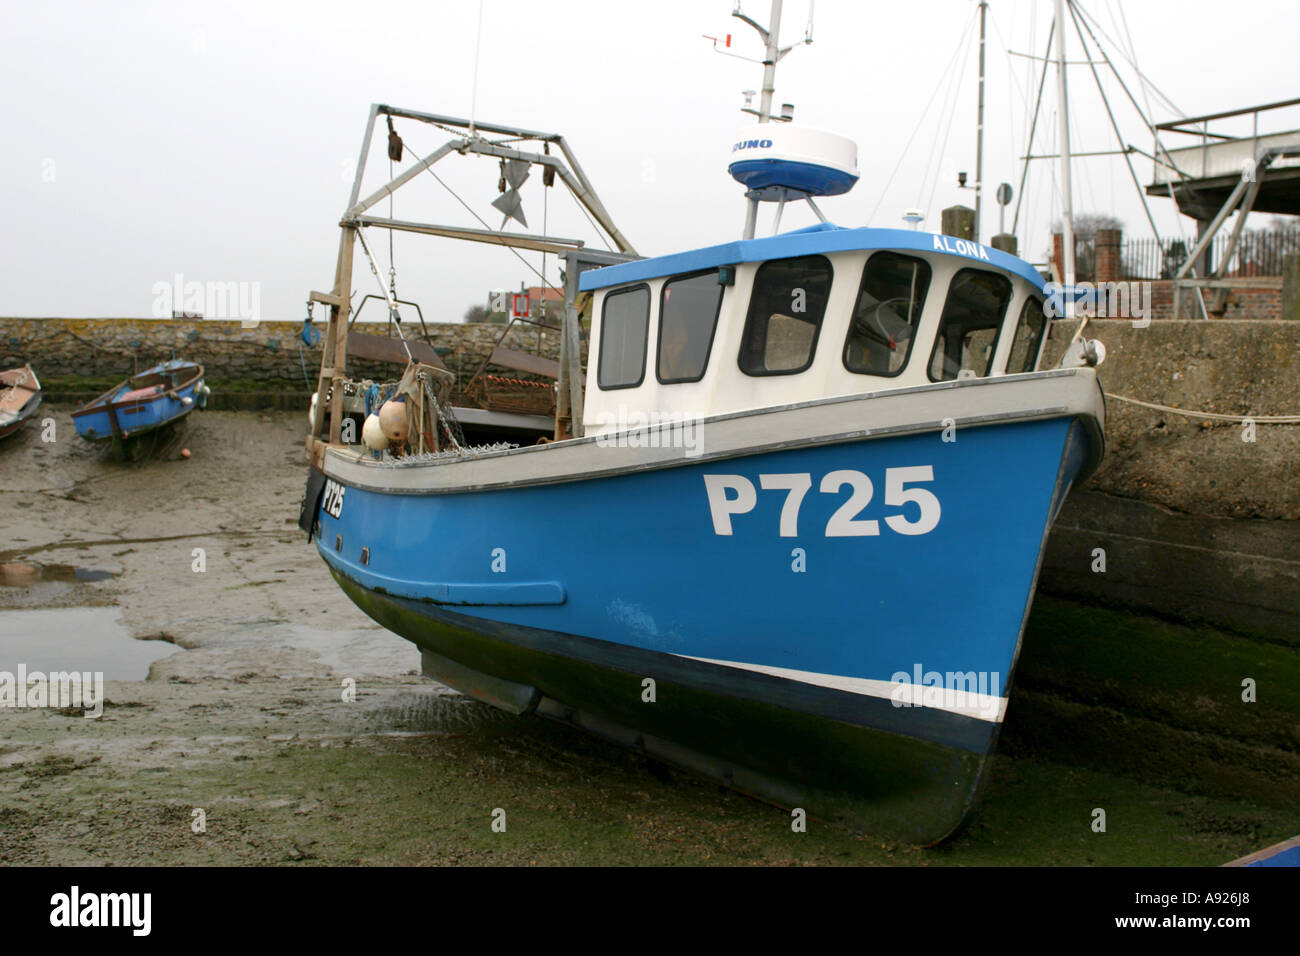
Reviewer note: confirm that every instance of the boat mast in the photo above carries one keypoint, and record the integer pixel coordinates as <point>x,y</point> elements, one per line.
<point>1063,122</point>
<point>772,53</point>
<point>769,63</point>
<point>979,128</point>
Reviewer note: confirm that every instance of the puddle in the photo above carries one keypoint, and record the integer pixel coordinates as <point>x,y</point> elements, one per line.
<point>20,574</point>
<point>75,639</point>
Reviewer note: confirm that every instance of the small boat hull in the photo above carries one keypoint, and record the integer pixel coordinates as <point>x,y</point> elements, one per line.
<point>160,396</point>
<point>838,654</point>
<point>20,398</point>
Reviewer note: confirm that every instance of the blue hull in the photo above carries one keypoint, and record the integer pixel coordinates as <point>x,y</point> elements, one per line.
<point>117,415</point>
<point>892,618</point>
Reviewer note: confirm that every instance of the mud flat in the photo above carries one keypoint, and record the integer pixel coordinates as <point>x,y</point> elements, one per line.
<point>275,724</point>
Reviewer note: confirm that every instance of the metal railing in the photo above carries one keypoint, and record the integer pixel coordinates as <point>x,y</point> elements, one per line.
<point>1260,252</point>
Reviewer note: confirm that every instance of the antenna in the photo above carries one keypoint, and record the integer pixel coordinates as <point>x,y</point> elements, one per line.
<point>1067,206</point>
<point>979,129</point>
<point>773,53</point>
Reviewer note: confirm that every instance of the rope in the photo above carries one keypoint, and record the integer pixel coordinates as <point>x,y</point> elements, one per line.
<point>1216,416</point>
<point>19,380</point>
<point>518,381</point>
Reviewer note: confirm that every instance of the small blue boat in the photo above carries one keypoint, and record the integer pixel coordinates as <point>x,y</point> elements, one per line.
<point>1286,853</point>
<point>156,397</point>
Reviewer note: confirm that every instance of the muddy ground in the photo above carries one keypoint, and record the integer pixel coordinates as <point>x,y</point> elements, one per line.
<point>240,747</point>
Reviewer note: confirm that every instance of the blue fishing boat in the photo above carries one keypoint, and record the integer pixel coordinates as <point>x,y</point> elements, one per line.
<point>788,532</point>
<point>156,397</point>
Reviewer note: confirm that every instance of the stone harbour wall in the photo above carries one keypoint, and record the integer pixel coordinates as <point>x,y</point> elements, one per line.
<point>270,354</point>
<point>1196,519</point>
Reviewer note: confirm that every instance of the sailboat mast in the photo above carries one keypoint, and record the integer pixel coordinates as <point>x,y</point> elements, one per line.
<point>979,128</point>
<point>1067,208</point>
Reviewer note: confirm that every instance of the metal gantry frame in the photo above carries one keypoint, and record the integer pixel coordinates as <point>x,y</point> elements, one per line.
<point>468,137</point>
<point>1244,193</point>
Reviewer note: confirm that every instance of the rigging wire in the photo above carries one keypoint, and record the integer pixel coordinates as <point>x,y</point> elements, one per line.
<point>531,267</point>
<point>956,95</point>
<point>1146,99</point>
<point>595,228</point>
<point>392,260</point>
<point>459,134</point>
<point>1015,133</point>
<point>951,82</point>
<point>1131,62</point>
<point>478,45</point>
<point>1024,97</point>
<point>1082,166</point>
<point>917,128</point>
<point>484,223</point>
<point>1029,64</point>
<point>1087,24</point>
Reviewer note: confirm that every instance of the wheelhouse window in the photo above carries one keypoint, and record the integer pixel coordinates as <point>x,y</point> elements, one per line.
<point>968,329</point>
<point>623,324</point>
<point>688,317</point>
<point>886,314</point>
<point>1029,338</point>
<point>785,315</point>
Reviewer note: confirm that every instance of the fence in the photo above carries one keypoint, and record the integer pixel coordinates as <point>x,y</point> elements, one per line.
<point>1259,252</point>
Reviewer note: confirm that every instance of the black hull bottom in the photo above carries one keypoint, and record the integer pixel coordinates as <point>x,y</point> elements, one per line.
<point>728,725</point>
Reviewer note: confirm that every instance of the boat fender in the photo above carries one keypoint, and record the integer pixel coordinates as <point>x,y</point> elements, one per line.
<point>309,335</point>
<point>392,419</point>
<point>372,434</point>
<point>1084,352</point>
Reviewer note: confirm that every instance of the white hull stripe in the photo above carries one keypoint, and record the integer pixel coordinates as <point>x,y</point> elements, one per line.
<point>968,703</point>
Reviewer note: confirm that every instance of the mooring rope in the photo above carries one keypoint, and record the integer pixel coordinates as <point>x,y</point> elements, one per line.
<point>1216,416</point>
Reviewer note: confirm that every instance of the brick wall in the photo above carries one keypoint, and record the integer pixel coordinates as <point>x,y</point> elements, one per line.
<point>1108,245</point>
<point>1262,298</point>
<point>1243,303</point>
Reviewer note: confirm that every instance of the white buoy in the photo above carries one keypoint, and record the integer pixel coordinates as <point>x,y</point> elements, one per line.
<point>372,434</point>
<point>392,419</point>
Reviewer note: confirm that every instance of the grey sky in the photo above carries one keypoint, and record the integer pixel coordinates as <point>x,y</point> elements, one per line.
<point>212,139</point>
